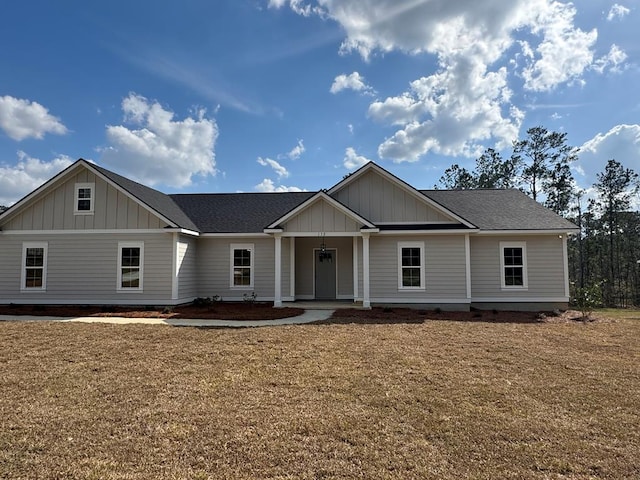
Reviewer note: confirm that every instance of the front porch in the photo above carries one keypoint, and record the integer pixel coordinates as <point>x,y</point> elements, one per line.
<point>324,304</point>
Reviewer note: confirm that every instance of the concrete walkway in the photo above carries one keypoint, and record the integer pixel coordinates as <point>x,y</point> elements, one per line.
<point>307,317</point>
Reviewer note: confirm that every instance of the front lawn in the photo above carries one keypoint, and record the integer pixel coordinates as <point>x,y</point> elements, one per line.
<point>438,399</point>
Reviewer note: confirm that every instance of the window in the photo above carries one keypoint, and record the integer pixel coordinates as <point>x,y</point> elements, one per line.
<point>130,266</point>
<point>84,198</point>
<point>242,265</point>
<point>513,264</point>
<point>411,266</point>
<point>34,266</point>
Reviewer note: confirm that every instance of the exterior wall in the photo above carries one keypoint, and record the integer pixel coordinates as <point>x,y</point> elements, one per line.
<point>321,217</point>
<point>54,210</point>
<point>545,268</point>
<point>379,200</point>
<point>187,262</point>
<point>445,270</point>
<point>305,265</point>
<point>83,269</point>
<point>214,267</point>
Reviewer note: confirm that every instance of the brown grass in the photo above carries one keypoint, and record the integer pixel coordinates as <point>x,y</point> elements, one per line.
<point>438,399</point>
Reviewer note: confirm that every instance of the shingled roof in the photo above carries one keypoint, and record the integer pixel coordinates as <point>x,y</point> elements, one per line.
<point>499,209</point>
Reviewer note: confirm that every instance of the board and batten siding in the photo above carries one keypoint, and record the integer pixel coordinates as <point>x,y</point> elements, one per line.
<point>54,209</point>
<point>214,268</point>
<point>321,217</point>
<point>445,269</point>
<point>379,200</point>
<point>305,265</point>
<point>186,265</point>
<point>83,269</point>
<point>545,267</point>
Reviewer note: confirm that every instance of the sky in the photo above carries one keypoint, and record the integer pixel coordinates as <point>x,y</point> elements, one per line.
<point>290,95</point>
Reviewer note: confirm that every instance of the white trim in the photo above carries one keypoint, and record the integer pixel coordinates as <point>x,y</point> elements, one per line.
<point>321,234</point>
<point>420,300</point>
<point>123,231</point>
<point>316,198</point>
<point>420,222</point>
<point>366,301</point>
<point>316,249</point>
<point>355,267</point>
<point>429,232</point>
<point>565,261</point>
<point>527,232</point>
<point>252,261</point>
<point>292,267</point>
<point>419,245</point>
<point>140,287</point>
<point>277,293</point>
<point>525,280</point>
<point>467,261</point>
<point>519,299</point>
<point>84,186</point>
<point>23,267</point>
<point>174,267</point>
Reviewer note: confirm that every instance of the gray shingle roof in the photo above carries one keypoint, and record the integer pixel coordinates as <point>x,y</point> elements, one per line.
<point>158,201</point>
<point>499,209</point>
<point>237,212</point>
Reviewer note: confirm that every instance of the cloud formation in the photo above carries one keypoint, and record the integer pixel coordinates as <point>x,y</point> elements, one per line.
<point>161,150</point>
<point>267,185</point>
<point>29,173</point>
<point>617,11</point>
<point>352,160</point>
<point>281,171</point>
<point>21,119</point>
<point>353,81</point>
<point>296,151</point>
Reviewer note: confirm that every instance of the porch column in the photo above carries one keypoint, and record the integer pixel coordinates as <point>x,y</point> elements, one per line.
<point>292,267</point>
<point>366,303</point>
<point>277,296</point>
<point>355,268</point>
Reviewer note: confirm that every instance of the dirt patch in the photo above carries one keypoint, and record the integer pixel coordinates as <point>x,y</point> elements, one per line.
<point>219,310</point>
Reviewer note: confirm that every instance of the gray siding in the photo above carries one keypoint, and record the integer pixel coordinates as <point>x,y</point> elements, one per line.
<point>83,269</point>
<point>214,267</point>
<point>445,268</point>
<point>54,209</point>
<point>379,200</point>
<point>305,265</point>
<point>187,262</point>
<point>545,265</point>
<point>321,217</point>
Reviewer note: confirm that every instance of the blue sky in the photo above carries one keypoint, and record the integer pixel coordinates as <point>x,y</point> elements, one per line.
<point>276,95</point>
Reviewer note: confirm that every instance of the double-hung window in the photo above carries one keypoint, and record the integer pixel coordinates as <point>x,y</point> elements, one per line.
<point>411,266</point>
<point>513,265</point>
<point>130,266</point>
<point>34,266</point>
<point>84,198</point>
<point>242,264</point>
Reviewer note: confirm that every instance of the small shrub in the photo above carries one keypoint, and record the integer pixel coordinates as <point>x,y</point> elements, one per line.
<point>438,310</point>
<point>587,298</point>
<point>249,297</point>
<point>206,301</point>
<point>167,310</point>
<point>387,309</point>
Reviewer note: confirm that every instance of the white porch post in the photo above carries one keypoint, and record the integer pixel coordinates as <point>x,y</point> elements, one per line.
<point>366,303</point>
<point>292,267</point>
<point>277,297</point>
<point>467,262</point>
<point>355,268</point>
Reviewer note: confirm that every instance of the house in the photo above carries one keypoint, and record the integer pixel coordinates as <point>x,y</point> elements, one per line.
<point>91,236</point>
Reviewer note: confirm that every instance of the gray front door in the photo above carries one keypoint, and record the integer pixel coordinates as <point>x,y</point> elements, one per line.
<point>325,274</point>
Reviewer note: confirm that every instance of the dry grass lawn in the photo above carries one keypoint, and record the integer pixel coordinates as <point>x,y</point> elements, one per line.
<point>439,399</point>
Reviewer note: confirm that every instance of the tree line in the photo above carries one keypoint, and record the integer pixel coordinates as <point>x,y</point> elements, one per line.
<point>604,256</point>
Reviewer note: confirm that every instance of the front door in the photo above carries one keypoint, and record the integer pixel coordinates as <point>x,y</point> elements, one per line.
<point>325,274</point>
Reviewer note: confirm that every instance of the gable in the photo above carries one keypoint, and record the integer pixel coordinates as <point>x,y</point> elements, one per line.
<point>321,216</point>
<point>53,207</point>
<point>383,200</point>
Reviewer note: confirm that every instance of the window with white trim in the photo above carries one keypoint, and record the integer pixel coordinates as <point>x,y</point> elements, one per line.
<point>411,266</point>
<point>513,265</point>
<point>130,266</point>
<point>84,198</point>
<point>242,265</point>
<point>34,266</point>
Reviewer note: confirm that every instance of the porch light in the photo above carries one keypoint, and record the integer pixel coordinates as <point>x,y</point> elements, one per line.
<point>323,254</point>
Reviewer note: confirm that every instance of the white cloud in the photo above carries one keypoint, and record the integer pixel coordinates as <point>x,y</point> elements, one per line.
<point>613,60</point>
<point>617,11</point>
<point>621,143</point>
<point>296,151</point>
<point>162,150</point>
<point>352,160</point>
<point>267,185</point>
<point>22,119</point>
<point>480,46</point>
<point>279,169</point>
<point>297,6</point>
<point>29,173</point>
<point>353,81</point>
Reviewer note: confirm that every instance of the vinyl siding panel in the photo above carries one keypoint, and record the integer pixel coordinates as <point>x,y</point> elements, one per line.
<point>187,262</point>
<point>445,269</point>
<point>321,217</point>
<point>83,269</point>
<point>54,209</point>
<point>545,266</point>
<point>379,200</point>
